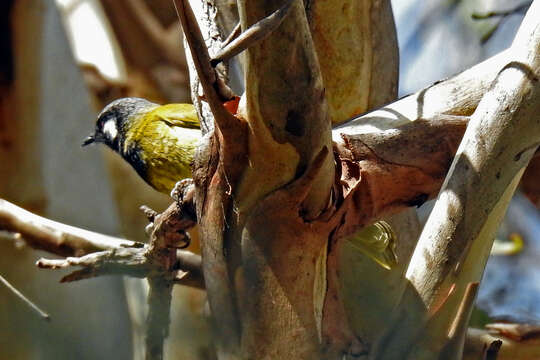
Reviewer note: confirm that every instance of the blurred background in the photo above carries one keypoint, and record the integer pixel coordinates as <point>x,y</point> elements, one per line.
<point>63,61</point>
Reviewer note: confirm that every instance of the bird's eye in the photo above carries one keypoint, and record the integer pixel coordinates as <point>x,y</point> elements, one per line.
<point>109,129</point>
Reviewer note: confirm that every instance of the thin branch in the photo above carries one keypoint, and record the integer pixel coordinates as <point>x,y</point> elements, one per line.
<point>211,26</point>
<point>168,229</point>
<point>233,35</point>
<point>54,237</point>
<point>215,89</point>
<point>517,332</point>
<point>27,301</point>
<point>255,33</point>
<point>129,261</point>
<point>100,254</point>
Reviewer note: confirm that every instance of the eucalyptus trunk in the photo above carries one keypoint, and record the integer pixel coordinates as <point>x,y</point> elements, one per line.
<point>278,191</point>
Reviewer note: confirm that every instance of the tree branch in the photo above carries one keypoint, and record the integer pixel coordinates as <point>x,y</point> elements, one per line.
<point>24,299</point>
<point>252,35</point>
<point>458,95</point>
<point>500,139</point>
<point>218,161</point>
<point>100,254</point>
<point>129,261</point>
<point>54,237</point>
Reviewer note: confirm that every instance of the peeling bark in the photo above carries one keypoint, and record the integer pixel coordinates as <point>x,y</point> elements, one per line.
<point>387,171</point>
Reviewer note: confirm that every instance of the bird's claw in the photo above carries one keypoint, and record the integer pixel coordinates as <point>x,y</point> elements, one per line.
<point>180,188</point>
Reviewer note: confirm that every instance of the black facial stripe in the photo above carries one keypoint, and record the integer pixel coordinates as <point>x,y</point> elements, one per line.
<point>132,156</point>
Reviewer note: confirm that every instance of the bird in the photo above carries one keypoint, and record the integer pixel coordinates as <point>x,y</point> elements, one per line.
<point>158,141</point>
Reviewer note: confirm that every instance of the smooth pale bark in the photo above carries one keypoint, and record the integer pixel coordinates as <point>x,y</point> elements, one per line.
<point>55,237</point>
<point>501,138</point>
<point>357,49</point>
<point>458,95</point>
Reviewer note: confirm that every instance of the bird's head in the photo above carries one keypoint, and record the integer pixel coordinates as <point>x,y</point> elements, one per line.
<point>114,121</point>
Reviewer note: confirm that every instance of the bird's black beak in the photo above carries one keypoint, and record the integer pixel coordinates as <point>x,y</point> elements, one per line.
<point>89,140</point>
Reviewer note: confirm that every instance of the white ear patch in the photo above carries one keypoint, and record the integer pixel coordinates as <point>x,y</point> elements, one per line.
<point>109,129</point>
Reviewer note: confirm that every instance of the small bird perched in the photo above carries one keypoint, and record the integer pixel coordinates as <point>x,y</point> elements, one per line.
<point>159,141</point>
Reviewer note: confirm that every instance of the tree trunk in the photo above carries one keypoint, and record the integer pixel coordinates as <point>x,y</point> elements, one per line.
<point>271,206</point>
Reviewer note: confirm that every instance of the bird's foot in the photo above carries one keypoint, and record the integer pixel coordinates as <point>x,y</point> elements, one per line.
<point>180,188</point>
<point>184,195</point>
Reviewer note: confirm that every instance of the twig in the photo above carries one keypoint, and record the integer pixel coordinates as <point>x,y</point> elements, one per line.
<point>27,301</point>
<point>101,254</point>
<point>517,332</point>
<point>255,33</point>
<point>160,280</point>
<point>140,260</point>
<point>233,35</point>
<point>215,89</point>
<point>158,262</point>
<point>130,261</point>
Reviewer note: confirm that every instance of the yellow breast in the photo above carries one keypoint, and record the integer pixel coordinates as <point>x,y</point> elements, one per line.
<point>166,146</point>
